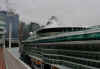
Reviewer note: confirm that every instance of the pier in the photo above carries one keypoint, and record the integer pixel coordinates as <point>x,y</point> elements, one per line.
<point>9,61</point>
<point>2,61</point>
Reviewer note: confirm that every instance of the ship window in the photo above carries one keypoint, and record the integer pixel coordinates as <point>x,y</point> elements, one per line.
<point>1,29</point>
<point>49,34</point>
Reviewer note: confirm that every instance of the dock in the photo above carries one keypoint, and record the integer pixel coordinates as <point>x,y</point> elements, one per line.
<point>9,61</point>
<point>2,61</point>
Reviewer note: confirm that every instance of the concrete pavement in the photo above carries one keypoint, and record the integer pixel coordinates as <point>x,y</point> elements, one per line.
<point>12,62</point>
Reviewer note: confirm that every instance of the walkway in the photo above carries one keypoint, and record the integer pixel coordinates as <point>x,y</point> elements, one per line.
<point>13,62</point>
<point>2,63</point>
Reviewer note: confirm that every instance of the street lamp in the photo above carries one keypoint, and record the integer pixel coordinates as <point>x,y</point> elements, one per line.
<point>10,32</point>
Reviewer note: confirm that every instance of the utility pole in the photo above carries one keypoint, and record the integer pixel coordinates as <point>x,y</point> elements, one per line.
<point>10,33</point>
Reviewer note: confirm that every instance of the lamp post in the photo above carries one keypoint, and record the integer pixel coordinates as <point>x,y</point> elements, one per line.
<point>10,32</point>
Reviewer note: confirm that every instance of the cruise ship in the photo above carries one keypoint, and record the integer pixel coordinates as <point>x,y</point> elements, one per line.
<point>64,48</point>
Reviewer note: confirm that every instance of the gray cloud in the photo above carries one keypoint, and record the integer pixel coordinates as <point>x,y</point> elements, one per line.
<point>69,12</point>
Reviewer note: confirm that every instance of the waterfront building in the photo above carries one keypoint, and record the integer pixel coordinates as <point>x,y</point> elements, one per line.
<point>33,26</point>
<point>21,31</point>
<point>10,19</point>
<point>29,29</point>
<point>2,26</point>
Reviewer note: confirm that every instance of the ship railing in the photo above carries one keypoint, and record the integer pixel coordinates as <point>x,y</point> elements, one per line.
<point>84,54</point>
<point>69,64</point>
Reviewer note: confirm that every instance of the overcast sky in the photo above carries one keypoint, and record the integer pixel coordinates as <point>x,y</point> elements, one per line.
<point>69,12</point>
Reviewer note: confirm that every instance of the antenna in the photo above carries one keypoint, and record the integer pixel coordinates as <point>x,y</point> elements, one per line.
<point>9,6</point>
